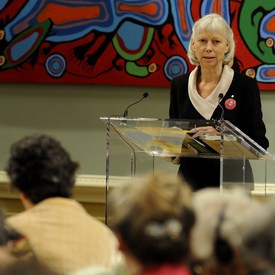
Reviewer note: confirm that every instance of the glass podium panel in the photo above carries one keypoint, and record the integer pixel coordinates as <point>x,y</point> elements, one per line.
<point>245,163</point>
<point>136,146</point>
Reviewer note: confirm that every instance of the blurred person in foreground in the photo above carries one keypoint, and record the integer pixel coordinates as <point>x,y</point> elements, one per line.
<point>259,244</point>
<point>60,232</point>
<point>196,96</point>
<point>223,221</point>
<point>152,218</point>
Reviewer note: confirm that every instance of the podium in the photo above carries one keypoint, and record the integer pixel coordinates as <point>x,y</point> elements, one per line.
<point>136,146</point>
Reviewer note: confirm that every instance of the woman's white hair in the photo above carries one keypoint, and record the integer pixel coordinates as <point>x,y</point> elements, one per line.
<point>213,23</point>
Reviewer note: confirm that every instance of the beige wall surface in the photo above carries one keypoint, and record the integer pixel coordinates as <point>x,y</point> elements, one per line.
<point>71,113</point>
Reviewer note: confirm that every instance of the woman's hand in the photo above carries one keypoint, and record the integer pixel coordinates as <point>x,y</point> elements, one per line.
<point>200,131</point>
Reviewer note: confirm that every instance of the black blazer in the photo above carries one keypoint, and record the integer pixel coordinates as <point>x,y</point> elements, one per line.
<point>247,116</point>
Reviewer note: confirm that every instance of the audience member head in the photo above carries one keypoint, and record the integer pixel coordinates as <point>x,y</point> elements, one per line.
<point>152,218</point>
<point>259,244</point>
<point>41,168</point>
<point>222,223</point>
<point>213,23</point>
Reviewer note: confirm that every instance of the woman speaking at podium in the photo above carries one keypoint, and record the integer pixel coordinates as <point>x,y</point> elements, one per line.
<point>213,91</point>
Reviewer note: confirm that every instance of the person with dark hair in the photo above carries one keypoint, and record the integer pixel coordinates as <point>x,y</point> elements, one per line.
<point>214,91</point>
<point>153,219</point>
<point>60,231</point>
<point>41,168</point>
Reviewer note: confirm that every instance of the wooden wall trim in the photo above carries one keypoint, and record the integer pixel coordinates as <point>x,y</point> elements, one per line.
<point>90,191</point>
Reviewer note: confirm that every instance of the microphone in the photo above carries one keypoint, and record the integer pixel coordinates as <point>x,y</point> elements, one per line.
<point>126,110</point>
<point>219,103</point>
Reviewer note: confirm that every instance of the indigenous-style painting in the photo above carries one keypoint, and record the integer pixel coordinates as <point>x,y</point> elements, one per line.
<point>126,42</point>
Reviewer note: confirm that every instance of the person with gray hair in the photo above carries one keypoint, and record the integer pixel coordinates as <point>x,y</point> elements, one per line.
<point>259,244</point>
<point>216,24</point>
<point>153,219</point>
<point>223,222</point>
<point>213,90</point>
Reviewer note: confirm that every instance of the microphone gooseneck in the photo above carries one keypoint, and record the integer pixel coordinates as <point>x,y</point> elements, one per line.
<point>126,110</point>
<point>219,103</point>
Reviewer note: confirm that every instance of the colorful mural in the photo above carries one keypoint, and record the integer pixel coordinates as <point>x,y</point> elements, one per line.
<point>125,42</point>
